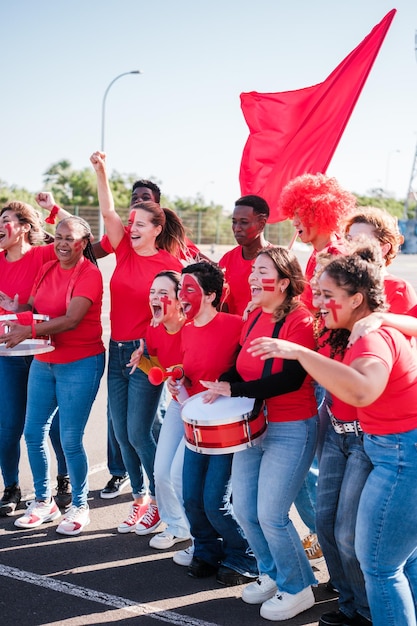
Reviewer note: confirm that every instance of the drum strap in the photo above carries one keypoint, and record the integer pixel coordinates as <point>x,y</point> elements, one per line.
<point>267,370</point>
<point>80,265</point>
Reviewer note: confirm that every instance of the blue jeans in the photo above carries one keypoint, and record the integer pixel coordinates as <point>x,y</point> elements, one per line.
<point>217,535</point>
<point>265,481</point>
<point>14,372</point>
<point>72,387</point>
<point>160,413</point>
<point>133,402</point>
<point>55,437</point>
<point>386,529</point>
<point>114,454</point>
<point>344,469</point>
<point>305,501</point>
<point>169,461</point>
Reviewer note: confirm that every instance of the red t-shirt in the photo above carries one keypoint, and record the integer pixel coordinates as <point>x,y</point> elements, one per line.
<point>164,345</point>
<point>17,277</point>
<point>192,250</point>
<point>298,327</point>
<point>129,289</point>
<point>395,411</point>
<point>400,295</point>
<point>53,287</point>
<point>209,350</point>
<point>237,272</point>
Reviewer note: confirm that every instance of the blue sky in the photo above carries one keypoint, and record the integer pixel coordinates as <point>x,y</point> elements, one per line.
<point>180,122</point>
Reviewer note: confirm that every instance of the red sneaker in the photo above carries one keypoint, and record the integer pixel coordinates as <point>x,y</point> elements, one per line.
<point>149,521</point>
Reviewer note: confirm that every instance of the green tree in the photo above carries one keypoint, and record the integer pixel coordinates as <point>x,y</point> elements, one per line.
<point>13,192</point>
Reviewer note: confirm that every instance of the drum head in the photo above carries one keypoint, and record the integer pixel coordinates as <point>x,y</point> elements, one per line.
<point>223,410</point>
<point>29,347</point>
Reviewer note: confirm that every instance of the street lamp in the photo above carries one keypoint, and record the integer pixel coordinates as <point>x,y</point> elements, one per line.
<point>103,118</point>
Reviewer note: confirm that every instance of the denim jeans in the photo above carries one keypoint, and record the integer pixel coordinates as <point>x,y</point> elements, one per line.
<point>72,387</point>
<point>169,461</point>
<point>386,529</point>
<point>265,481</point>
<point>115,463</point>
<point>217,535</point>
<point>133,402</point>
<point>344,469</point>
<point>160,413</point>
<point>14,372</point>
<point>55,437</point>
<point>305,501</point>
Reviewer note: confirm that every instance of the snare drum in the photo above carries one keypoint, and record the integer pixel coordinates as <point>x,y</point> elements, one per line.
<point>28,347</point>
<point>222,427</point>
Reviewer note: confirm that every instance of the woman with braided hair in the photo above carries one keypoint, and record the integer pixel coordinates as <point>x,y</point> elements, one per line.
<point>69,290</point>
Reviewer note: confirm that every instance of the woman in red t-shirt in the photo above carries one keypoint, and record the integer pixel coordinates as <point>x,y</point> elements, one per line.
<point>209,344</point>
<point>381,226</point>
<point>69,291</point>
<point>163,341</point>
<point>378,376</point>
<point>267,477</point>
<point>21,257</point>
<point>141,252</point>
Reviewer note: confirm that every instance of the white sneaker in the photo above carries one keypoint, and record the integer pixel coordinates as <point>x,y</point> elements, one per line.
<point>286,605</point>
<point>262,589</point>
<point>165,540</point>
<point>37,513</point>
<point>184,557</point>
<point>75,520</point>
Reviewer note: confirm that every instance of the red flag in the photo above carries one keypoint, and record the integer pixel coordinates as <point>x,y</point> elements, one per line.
<point>297,132</point>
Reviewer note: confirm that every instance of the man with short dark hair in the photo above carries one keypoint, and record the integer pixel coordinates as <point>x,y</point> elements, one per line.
<point>248,223</point>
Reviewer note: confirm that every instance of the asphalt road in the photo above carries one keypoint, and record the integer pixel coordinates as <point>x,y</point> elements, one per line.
<point>102,577</point>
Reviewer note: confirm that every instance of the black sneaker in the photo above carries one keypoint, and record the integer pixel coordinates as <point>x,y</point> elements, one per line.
<point>63,496</point>
<point>115,486</point>
<point>230,578</point>
<point>336,618</point>
<point>10,500</point>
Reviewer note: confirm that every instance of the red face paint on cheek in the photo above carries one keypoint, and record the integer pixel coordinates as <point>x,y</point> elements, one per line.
<point>268,284</point>
<point>165,302</point>
<point>332,306</point>
<point>8,228</point>
<point>132,217</point>
<point>191,296</point>
<point>78,246</point>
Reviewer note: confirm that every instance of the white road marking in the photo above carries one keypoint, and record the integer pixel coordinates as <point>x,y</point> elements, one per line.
<point>151,610</point>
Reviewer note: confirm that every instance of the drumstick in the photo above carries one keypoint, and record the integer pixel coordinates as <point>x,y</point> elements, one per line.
<point>292,242</point>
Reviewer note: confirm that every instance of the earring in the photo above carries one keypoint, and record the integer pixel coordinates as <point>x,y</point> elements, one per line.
<point>282,289</point>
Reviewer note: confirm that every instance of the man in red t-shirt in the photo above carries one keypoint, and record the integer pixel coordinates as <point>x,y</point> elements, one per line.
<point>248,223</point>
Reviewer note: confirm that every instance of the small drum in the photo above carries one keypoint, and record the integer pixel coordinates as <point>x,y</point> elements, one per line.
<point>27,347</point>
<point>222,427</point>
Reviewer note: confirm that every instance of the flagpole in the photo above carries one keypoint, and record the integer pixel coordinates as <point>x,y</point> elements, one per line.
<point>293,238</point>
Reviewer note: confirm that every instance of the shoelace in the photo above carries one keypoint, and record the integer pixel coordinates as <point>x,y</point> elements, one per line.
<point>131,518</point>
<point>33,506</point>
<point>73,512</point>
<point>147,518</point>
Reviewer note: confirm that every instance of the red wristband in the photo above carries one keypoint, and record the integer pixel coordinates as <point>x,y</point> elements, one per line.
<point>51,217</point>
<point>33,329</point>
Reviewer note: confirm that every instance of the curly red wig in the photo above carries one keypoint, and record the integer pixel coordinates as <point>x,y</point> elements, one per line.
<point>318,200</point>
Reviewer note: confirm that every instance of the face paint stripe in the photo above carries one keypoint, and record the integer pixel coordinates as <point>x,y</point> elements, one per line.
<point>332,306</point>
